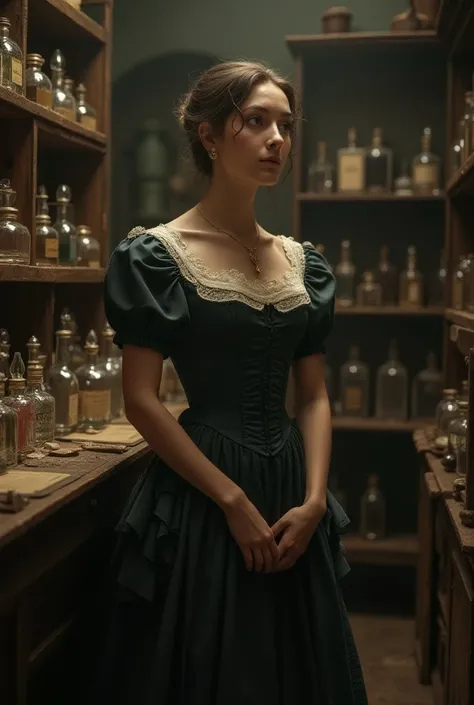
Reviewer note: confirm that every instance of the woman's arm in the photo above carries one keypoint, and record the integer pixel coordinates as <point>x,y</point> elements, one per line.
<point>313,415</point>
<point>142,370</point>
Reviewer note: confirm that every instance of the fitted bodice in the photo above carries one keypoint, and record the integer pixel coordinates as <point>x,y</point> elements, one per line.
<point>231,340</point>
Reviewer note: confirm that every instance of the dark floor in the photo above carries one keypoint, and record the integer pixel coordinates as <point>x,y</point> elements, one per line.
<point>386,648</point>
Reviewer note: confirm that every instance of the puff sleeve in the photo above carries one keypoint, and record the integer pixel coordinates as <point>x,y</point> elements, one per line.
<point>320,284</point>
<point>144,300</point>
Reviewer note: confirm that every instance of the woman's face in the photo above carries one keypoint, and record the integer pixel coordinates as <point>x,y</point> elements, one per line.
<point>255,144</point>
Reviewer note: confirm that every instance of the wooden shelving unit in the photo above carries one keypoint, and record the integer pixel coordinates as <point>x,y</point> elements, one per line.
<point>39,146</point>
<point>393,551</point>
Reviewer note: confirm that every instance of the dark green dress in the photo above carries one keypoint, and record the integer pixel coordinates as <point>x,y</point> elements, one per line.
<point>215,633</point>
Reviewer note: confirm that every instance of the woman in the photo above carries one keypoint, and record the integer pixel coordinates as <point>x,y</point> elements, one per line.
<point>230,552</point>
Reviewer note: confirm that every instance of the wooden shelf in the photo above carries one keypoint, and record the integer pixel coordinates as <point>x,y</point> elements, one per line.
<point>57,275</point>
<point>54,129</point>
<point>310,42</point>
<point>398,550</point>
<point>308,197</point>
<point>462,182</point>
<point>57,18</point>
<point>389,311</point>
<point>342,423</point>
<point>464,319</point>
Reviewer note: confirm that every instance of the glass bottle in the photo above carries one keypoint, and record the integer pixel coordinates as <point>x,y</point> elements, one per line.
<point>457,149</point>
<point>403,184</point>
<point>44,402</point>
<point>351,165</point>
<point>86,115</point>
<point>64,387</point>
<point>458,287</point>
<point>38,86</point>
<point>47,238</point>
<point>379,165</point>
<point>458,436</point>
<point>23,405</point>
<point>113,372</point>
<point>354,385</point>
<point>386,275</point>
<point>468,290</point>
<point>411,282</point>
<point>369,292</point>
<point>63,102</point>
<point>76,351</point>
<point>65,229</point>
<point>15,238</point>
<point>11,60</point>
<point>9,422</point>
<point>321,172</point>
<point>152,171</point>
<point>94,388</point>
<point>438,284</point>
<point>4,353</point>
<point>373,523</point>
<point>88,248</point>
<point>345,275</point>
<point>426,390</point>
<point>426,168</point>
<point>468,143</point>
<point>445,412</point>
<point>392,388</point>
<point>69,91</point>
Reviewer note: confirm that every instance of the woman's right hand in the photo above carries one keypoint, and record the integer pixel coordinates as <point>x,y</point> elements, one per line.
<point>253,535</point>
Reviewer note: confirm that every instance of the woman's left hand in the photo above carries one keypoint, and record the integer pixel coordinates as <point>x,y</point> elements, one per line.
<point>296,528</point>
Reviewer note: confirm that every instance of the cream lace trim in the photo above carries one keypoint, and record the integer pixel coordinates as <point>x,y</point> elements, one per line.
<point>285,293</point>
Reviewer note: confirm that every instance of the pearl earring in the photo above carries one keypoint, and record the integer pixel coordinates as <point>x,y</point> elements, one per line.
<point>213,154</point>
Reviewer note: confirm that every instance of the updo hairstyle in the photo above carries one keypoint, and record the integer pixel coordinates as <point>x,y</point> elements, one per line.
<point>216,94</point>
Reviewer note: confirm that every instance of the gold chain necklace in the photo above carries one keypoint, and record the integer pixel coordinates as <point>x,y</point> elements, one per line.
<point>252,251</point>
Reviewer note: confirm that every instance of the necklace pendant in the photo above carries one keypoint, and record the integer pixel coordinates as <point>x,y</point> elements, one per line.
<point>255,260</point>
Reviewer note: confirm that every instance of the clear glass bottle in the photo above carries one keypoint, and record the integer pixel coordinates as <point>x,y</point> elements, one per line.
<point>23,405</point>
<point>11,60</point>
<point>411,282</point>
<point>321,172</point>
<point>369,292</point>
<point>426,168</point>
<point>4,353</point>
<point>391,401</point>
<point>9,432</point>
<point>373,522</point>
<point>351,165</point>
<point>403,184</point>
<point>445,412</point>
<point>113,372</point>
<point>64,387</point>
<point>65,229</point>
<point>69,90</point>
<point>38,86</point>
<point>44,402</point>
<point>379,165</point>
<point>345,275</point>
<point>94,388</point>
<point>63,102</point>
<point>438,284</point>
<point>15,238</point>
<point>458,436</point>
<point>76,352</point>
<point>426,390</point>
<point>88,248</point>
<point>47,238</point>
<point>386,275</point>
<point>354,385</point>
<point>86,115</point>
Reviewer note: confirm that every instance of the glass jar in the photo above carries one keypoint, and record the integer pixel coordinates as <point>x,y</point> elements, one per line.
<point>458,437</point>
<point>88,248</point>
<point>15,238</point>
<point>38,86</point>
<point>446,411</point>
<point>8,432</point>
<point>86,115</point>
<point>11,60</point>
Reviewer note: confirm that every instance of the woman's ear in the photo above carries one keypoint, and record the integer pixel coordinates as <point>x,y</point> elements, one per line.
<point>205,135</point>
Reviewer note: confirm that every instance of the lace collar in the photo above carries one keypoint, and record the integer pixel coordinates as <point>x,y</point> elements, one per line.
<point>285,293</point>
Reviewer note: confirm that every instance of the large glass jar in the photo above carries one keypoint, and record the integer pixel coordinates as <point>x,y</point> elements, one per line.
<point>458,437</point>
<point>15,238</point>
<point>11,60</point>
<point>88,248</point>
<point>446,411</point>
<point>38,86</point>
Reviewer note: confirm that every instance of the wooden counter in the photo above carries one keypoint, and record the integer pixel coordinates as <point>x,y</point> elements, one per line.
<point>54,557</point>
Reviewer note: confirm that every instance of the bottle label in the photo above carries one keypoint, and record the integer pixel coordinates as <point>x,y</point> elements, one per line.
<point>426,176</point>
<point>89,122</point>
<point>17,72</point>
<point>351,172</point>
<point>51,248</point>
<point>94,264</point>
<point>95,405</point>
<point>352,399</point>
<point>40,95</point>
<point>66,112</point>
<point>73,410</point>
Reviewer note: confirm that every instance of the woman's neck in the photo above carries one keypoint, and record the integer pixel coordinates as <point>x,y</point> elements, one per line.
<point>230,208</point>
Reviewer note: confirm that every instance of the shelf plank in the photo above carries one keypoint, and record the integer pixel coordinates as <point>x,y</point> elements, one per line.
<point>389,311</point>
<point>310,42</point>
<point>462,182</point>
<point>57,129</point>
<point>53,18</point>
<point>54,275</point>
<point>398,550</point>
<point>464,319</point>
<point>344,423</point>
<point>308,197</point>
